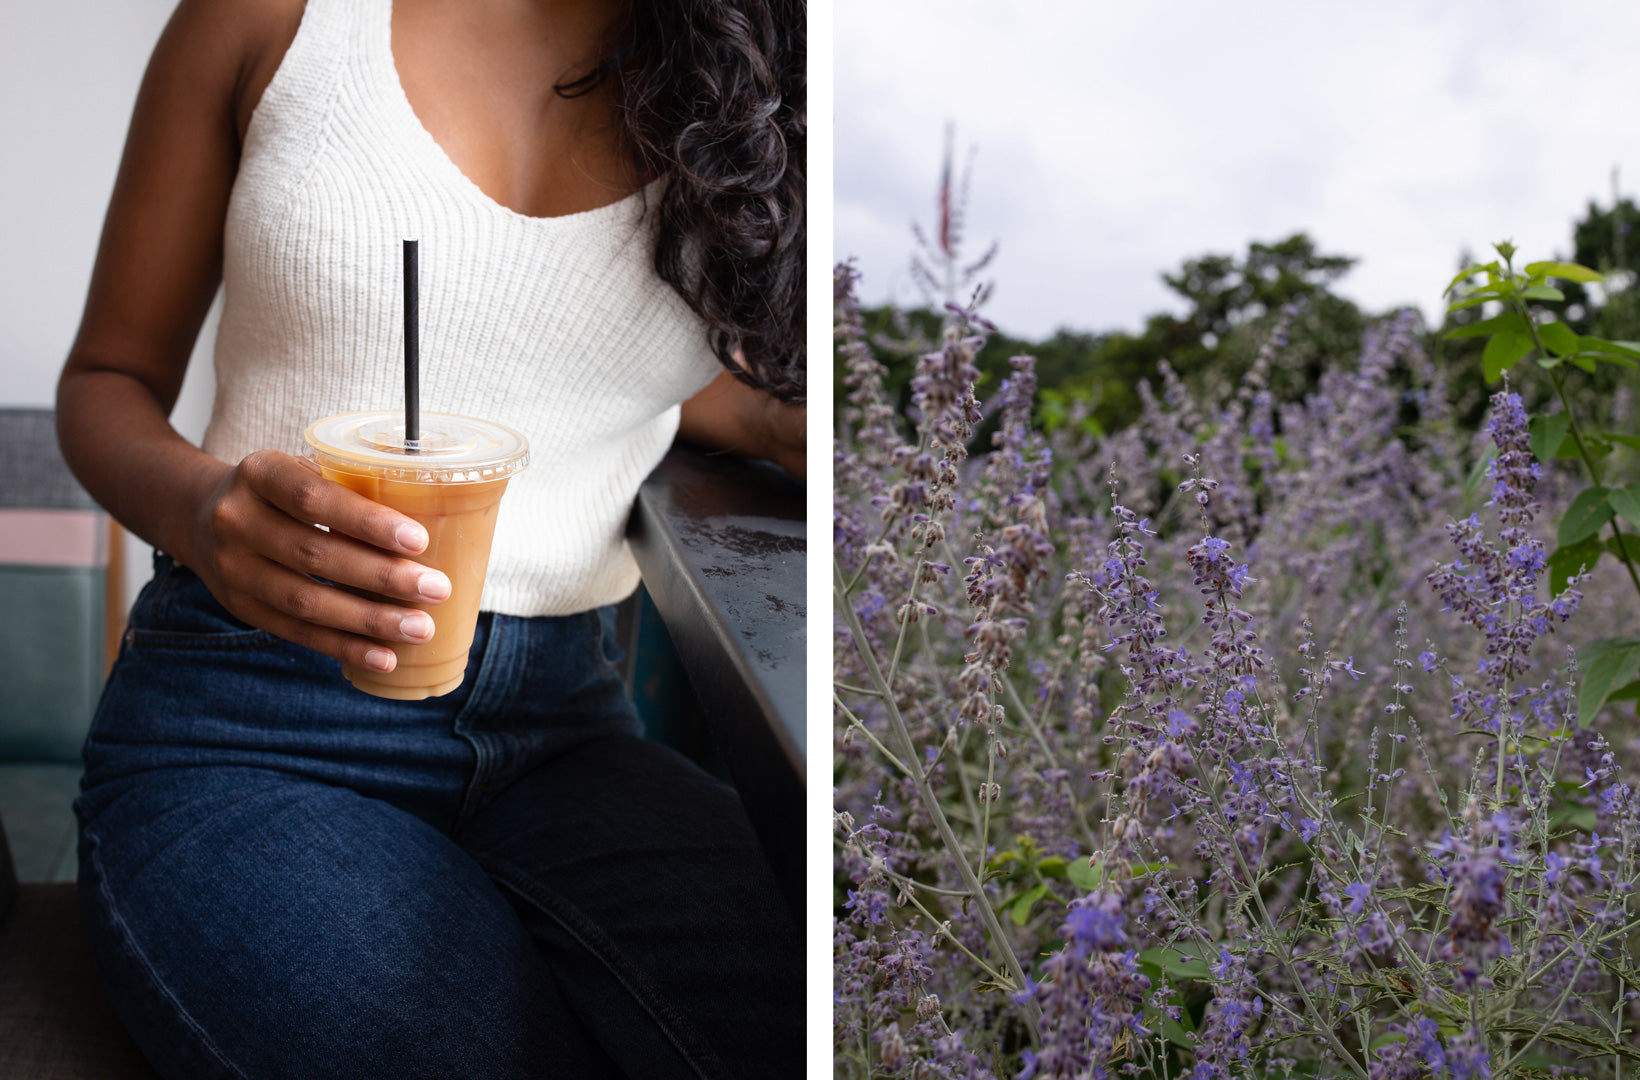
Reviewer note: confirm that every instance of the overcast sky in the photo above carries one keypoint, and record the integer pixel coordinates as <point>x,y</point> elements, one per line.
<point>1114,140</point>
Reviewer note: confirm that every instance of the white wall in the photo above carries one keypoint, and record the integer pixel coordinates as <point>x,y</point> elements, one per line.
<point>68,76</point>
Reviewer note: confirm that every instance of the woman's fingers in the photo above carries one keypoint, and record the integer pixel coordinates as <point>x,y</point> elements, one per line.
<point>327,610</point>
<point>348,648</point>
<point>285,483</point>
<point>345,561</point>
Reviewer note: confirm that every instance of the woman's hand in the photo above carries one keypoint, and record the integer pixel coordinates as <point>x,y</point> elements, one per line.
<point>786,435</point>
<point>732,416</point>
<point>255,545</point>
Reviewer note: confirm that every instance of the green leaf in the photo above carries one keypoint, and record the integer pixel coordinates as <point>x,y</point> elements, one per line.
<point>1596,448</point>
<point>1626,501</point>
<point>1053,866</point>
<point>1630,441</point>
<point>1473,299</point>
<point>1578,817</point>
<point>1558,338</point>
<point>1588,512</point>
<point>1573,559</point>
<point>1082,875</point>
<point>1503,351</point>
<point>1548,432</point>
<point>1629,349</point>
<point>1022,907</point>
<point>1178,963</point>
<point>1624,544</point>
<point>1561,1033</point>
<point>1000,863</point>
<point>1564,270</point>
<point>1509,320</point>
<point>1630,692</point>
<point>1624,353</point>
<point>1388,1038</point>
<point>1537,1061</point>
<point>1469,272</point>
<point>1540,291</point>
<point>1608,666</point>
<point>1584,362</point>
<point>1174,1033</point>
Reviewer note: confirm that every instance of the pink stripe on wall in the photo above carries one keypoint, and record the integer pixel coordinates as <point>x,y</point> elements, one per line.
<point>53,538</point>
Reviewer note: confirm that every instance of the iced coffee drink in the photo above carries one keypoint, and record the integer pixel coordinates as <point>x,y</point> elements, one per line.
<point>450,482</point>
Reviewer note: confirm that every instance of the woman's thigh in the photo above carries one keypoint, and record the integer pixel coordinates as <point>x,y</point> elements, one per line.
<point>252,923</point>
<point>645,886</point>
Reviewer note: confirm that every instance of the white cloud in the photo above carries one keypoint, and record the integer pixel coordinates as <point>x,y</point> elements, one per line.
<point>1115,140</point>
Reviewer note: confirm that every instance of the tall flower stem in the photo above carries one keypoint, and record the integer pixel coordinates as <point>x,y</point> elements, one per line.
<point>1286,953</point>
<point>888,755</point>
<point>985,819</point>
<point>999,939</point>
<point>1035,728</point>
<point>1548,1021</point>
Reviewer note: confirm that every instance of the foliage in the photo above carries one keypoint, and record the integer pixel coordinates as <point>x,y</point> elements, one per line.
<point>1229,743</point>
<point>1231,303</point>
<point>1518,332</point>
<point>1602,239</point>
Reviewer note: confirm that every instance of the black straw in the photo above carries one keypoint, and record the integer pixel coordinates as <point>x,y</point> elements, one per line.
<point>412,351</point>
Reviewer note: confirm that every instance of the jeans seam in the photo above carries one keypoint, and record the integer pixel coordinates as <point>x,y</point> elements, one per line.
<point>485,757</point>
<point>180,641</point>
<point>148,968</point>
<point>586,933</point>
<point>599,663</point>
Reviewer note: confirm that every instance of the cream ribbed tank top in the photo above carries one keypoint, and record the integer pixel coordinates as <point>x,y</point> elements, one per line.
<point>556,326</point>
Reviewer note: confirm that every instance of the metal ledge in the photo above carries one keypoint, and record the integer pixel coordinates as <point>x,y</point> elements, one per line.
<point>722,544</point>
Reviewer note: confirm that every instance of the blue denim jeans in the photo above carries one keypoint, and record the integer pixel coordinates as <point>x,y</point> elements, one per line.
<point>283,876</point>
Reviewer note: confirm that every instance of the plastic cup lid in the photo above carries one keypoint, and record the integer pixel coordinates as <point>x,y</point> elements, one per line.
<point>452,449</point>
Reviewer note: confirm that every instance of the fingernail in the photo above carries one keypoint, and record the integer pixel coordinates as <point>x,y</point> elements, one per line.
<point>410,536</point>
<point>380,659</point>
<point>416,626</point>
<point>433,586</point>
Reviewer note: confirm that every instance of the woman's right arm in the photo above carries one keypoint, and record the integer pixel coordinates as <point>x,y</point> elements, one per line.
<point>247,530</point>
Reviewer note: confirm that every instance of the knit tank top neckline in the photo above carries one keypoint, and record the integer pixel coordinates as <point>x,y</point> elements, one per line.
<point>378,60</point>
<point>556,326</point>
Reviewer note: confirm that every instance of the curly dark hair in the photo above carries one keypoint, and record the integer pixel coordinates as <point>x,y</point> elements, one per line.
<point>711,93</point>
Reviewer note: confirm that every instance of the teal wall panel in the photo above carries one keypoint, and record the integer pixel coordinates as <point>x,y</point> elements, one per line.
<point>51,650</point>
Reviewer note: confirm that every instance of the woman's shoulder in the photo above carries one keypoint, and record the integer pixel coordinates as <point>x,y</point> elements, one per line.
<point>237,45</point>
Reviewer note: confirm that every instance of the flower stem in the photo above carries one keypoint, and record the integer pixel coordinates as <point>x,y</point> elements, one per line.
<point>1035,728</point>
<point>999,940</point>
<point>859,726</point>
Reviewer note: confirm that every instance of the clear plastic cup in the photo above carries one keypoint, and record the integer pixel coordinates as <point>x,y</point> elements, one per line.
<point>452,485</point>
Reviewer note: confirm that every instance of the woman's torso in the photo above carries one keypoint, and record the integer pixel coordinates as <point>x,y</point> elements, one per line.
<point>555,325</point>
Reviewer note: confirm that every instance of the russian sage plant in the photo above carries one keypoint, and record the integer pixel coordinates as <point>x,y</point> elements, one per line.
<point>1519,331</point>
<point>1242,742</point>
